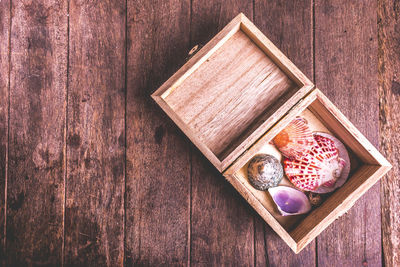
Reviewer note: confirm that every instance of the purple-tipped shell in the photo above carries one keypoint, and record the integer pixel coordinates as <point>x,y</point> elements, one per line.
<point>289,201</point>
<point>343,154</point>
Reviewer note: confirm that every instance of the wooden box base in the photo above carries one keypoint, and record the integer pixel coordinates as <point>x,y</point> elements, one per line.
<point>367,166</point>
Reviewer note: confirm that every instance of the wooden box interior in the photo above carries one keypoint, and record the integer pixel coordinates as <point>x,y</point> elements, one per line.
<point>232,91</point>
<point>230,94</point>
<point>367,165</point>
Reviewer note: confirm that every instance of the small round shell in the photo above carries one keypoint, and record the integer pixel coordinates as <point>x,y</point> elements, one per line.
<point>315,199</point>
<point>295,139</point>
<point>264,171</point>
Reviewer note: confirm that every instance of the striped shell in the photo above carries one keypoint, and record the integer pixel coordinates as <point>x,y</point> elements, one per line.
<point>295,139</point>
<point>343,154</point>
<point>320,166</point>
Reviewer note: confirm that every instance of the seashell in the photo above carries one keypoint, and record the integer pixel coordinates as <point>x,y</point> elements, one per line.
<point>264,171</point>
<point>315,199</point>
<point>343,154</point>
<point>320,166</point>
<point>295,139</point>
<point>290,201</point>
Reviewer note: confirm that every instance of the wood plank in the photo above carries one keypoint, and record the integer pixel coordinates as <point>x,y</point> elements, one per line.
<point>288,25</point>
<point>5,23</point>
<point>222,224</point>
<point>35,189</point>
<point>345,70</point>
<point>389,118</point>
<point>94,213</point>
<point>158,160</point>
<point>222,221</point>
<point>260,245</point>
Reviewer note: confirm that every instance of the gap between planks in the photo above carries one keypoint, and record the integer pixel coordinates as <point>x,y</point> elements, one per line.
<point>8,129</point>
<point>65,140</point>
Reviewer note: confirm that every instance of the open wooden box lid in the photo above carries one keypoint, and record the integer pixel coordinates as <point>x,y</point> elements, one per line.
<point>232,91</point>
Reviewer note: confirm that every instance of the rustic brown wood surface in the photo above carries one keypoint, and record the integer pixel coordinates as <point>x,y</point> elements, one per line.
<point>158,159</point>
<point>346,71</point>
<point>37,97</point>
<point>389,122</point>
<point>4,88</point>
<point>95,134</point>
<point>92,172</point>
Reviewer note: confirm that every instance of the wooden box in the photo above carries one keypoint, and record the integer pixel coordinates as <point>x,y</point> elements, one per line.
<point>235,95</point>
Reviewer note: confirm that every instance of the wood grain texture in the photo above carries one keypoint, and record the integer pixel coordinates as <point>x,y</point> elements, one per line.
<point>158,160</point>
<point>222,228</point>
<point>5,23</point>
<point>260,246</point>
<point>229,92</point>
<point>94,212</point>
<point>222,232</point>
<point>389,118</point>
<point>179,209</point>
<point>225,106</point>
<point>345,70</point>
<point>35,193</point>
<point>289,26</point>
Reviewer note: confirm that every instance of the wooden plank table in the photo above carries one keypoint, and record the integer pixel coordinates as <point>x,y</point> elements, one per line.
<point>92,172</point>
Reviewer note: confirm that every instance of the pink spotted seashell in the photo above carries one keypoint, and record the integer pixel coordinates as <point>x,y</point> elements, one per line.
<point>320,167</point>
<point>295,139</point>
<point>343,154</point>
